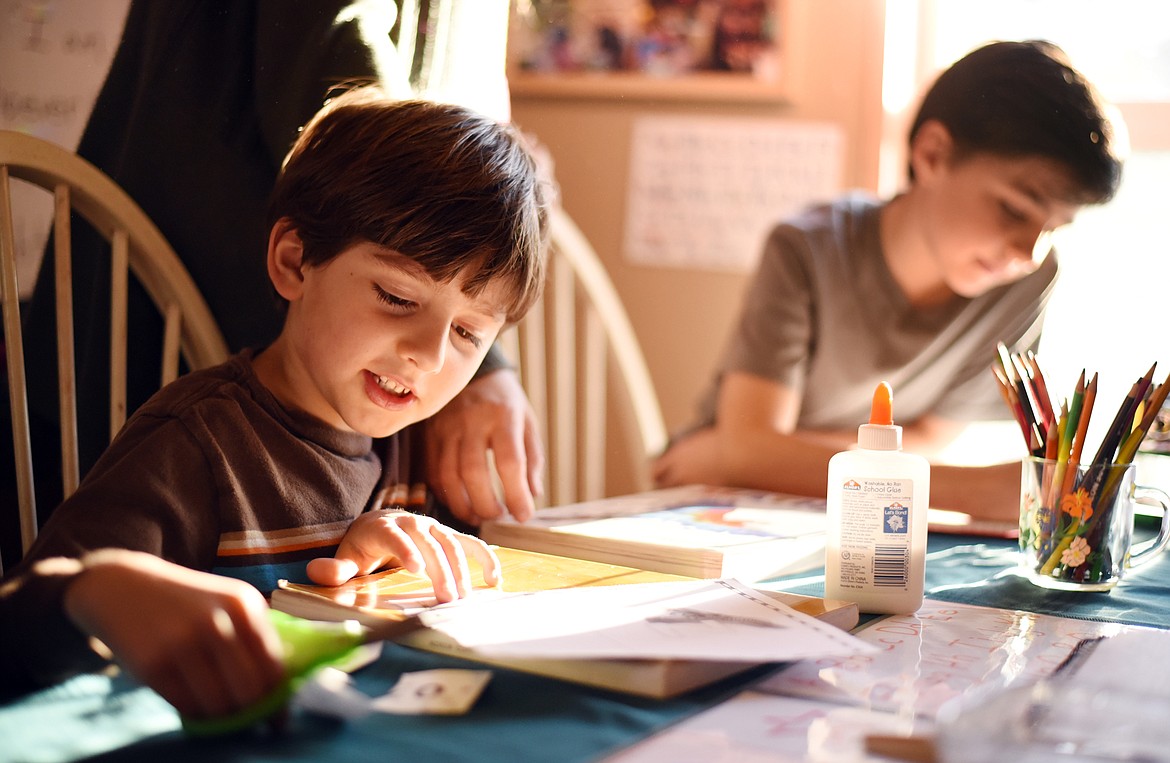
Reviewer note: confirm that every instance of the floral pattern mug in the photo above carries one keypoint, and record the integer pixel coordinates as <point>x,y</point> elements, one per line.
<point>1077,523</point>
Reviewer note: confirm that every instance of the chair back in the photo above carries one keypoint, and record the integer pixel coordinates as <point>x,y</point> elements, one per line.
<point>138,249</point>
<point>583,370</point>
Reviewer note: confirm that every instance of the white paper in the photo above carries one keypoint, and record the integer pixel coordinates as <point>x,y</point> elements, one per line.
<point>709,620</point>
<point>943,653</point>
<point>434,692</point>
<point>1135,661</point>
<point>703,191</point>
<point>331,692</point>
<point>752,727</point>
<point>54,57</point>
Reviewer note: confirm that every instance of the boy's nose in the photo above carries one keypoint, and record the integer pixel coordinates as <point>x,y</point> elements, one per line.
<point>426,348</point>
<point>1029,248</point>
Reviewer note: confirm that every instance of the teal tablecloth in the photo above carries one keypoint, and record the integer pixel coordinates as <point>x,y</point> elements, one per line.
<point>519,717</point>
<point>981,571</point>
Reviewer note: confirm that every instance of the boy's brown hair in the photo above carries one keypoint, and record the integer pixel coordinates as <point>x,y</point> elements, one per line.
<point>1016,99</point>
<point>443,185</point>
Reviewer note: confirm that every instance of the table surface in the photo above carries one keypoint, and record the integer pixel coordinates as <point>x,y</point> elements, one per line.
<point>519,716</point>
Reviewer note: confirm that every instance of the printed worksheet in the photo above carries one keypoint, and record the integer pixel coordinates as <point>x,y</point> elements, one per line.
<point>943,653</point>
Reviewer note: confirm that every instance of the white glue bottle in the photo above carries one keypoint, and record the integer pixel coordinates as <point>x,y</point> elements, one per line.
<point>877,501</point>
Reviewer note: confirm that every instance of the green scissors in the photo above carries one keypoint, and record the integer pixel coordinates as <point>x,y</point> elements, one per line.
<point>308,646</point>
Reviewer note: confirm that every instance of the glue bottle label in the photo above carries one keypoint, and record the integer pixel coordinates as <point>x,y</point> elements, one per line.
<point>875,533</point>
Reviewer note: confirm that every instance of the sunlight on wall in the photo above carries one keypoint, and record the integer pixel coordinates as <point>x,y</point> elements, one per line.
<point>468,63</point>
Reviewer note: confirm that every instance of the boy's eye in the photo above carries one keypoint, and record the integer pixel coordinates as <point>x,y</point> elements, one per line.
<point>392,299</point>
<point>463,333</point>
<point>1012,212</point>
<point>405,305</point>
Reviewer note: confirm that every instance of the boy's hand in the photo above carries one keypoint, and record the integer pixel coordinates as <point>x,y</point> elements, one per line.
<point>694,458</point>
<point>491,413</point>
<point>202,641</point>
<point>420,544</point>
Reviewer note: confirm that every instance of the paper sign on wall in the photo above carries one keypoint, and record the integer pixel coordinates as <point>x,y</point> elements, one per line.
<point>704,191</point>
<point>54,55</point>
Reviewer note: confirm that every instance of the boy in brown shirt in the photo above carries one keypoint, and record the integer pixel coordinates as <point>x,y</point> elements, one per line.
<point>403,236</point>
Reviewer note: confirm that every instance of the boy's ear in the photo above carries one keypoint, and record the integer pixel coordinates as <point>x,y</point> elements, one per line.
<point>285,254</point>
<point>931,149</point>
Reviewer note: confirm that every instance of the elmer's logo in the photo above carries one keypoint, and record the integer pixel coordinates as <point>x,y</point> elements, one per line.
<point>896,519</point>
<point>851,485</point>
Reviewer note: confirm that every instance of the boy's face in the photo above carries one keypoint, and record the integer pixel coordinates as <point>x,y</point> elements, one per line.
<point>987,219</point>
<point>372,343</point>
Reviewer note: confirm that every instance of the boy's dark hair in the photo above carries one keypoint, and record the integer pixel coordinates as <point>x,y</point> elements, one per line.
<point>443,185</point>
<point>1025,99</point>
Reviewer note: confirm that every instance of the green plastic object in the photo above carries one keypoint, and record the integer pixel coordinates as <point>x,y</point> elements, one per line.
<point>308,646</point>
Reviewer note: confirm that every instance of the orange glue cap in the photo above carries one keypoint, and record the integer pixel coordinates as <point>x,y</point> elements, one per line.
<point>882,410</point>
<point>881,433</point>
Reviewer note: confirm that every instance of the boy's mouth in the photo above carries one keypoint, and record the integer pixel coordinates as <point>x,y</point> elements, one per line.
<point>391,386</point>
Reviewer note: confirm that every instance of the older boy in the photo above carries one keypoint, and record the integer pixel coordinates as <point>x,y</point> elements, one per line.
<point>1008,144</point>
<point>403,236</point>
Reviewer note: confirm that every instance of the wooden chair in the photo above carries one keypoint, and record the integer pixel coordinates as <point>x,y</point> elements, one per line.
<point>138,248</point>
<point>576,353</point>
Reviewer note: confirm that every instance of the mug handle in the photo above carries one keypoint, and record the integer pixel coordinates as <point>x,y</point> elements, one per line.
<point>1152,496</point>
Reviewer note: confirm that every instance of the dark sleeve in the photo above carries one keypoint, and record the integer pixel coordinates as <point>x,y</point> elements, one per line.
<point>304,48</point>
<point>151,491</point>
<point>39,646</point>
<point>141,495</point>
<point>493,361</point>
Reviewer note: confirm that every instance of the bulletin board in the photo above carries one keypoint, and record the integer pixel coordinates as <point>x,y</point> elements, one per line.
<point>704,191</point>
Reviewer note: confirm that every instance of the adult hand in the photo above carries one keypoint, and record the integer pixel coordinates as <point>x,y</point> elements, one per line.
<point>377,539</point>
<point>491,414</point>
<point>202,641</point>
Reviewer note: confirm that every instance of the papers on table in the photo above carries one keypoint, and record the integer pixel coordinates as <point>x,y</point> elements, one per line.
<point>943,653</point>
<point>947,661</point>
<point>709,620</point>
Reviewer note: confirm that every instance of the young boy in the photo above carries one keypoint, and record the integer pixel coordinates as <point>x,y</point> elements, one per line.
<point>1008,144</point>
<point>403,236</point>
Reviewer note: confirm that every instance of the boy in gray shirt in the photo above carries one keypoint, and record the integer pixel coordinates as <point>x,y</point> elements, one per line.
<point>1008,144</point>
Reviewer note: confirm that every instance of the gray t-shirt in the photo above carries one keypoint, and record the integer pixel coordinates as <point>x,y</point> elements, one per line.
<point>825,316</point>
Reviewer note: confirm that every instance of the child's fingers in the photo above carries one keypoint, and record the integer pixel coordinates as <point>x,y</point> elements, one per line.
<point>179,685</point>
<point>331,571</point>
<point>418,543</point>
<point>488,561</point>
<point>435,560</point>
<point>251,654</point>
<point>374,540</point>
<point>456,560</point>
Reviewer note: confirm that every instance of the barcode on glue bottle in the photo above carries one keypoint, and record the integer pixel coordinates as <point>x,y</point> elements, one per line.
<point>891,566</point>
